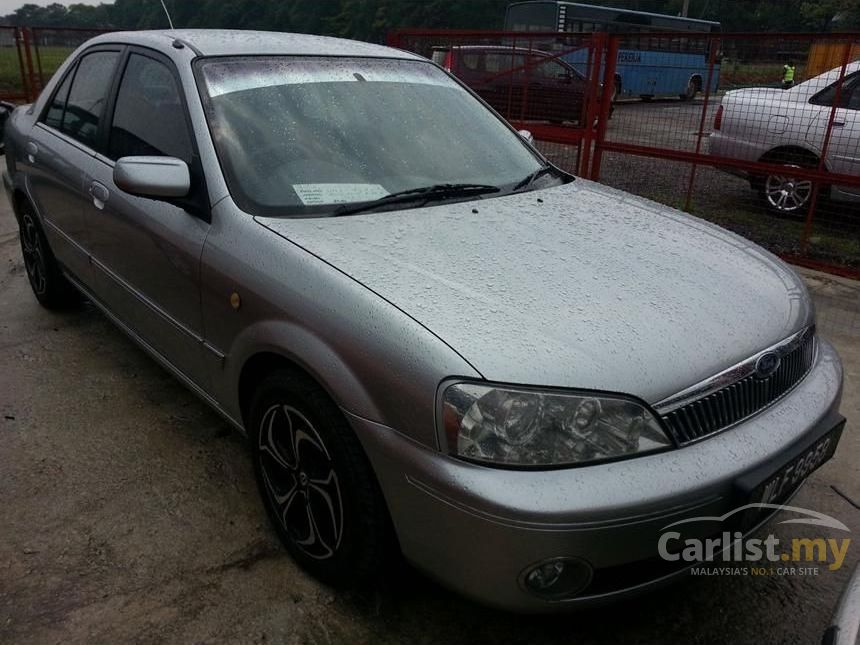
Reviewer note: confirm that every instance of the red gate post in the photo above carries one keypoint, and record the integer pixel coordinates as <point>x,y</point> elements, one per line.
<point>713,46</point>
<point>609,66</point>
<point>816,186</point>
<point>18,44</point>
<point>596,49</point>
<point>31,75</point>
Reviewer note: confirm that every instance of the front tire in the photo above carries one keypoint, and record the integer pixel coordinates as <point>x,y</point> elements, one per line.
<point>47,281</point>
<point>317,485</point>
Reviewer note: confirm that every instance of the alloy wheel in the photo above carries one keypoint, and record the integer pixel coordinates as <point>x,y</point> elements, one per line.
<point>787,194</point>
<point>300,481</point>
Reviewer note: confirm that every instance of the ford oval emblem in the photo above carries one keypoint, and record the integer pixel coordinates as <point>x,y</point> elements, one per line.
<point>767,364</point>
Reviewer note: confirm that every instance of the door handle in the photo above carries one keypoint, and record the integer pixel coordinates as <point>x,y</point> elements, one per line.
<point>99,193</point>
<point>32,150</point>
<point>838,124</point>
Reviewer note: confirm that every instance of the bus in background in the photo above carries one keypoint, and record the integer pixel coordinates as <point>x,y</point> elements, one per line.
<point>649,64</point>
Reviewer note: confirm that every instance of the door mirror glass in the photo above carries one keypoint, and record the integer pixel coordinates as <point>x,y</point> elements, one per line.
<point>152,176</point>
<point>527,135</point>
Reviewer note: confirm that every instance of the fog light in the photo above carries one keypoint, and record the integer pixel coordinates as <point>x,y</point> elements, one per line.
<point>556,578</point>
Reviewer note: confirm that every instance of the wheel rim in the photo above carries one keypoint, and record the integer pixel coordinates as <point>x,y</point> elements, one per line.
<point>300,481</point>
<point>34,254</point>
<point>787,194</point>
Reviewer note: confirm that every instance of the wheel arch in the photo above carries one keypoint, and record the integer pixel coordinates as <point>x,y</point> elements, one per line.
<point>19,199</point>
<point>262,349</point>
<point>790,150</point>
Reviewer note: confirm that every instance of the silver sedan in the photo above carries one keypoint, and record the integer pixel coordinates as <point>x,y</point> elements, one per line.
<point>438,344</point>
<point>789,127</point>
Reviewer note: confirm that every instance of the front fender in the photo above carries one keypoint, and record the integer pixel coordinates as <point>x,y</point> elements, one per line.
<point>311,353</point>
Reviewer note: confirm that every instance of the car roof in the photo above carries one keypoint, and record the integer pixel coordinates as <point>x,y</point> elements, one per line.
<point>227,42</point>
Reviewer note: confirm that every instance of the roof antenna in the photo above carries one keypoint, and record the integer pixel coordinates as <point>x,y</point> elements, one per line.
<point>167,13</point>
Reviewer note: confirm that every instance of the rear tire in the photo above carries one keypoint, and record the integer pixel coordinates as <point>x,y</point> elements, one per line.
<point>782,194</point>
<point>317,485</point>
<point>691,91</point>
<point>49,285</point>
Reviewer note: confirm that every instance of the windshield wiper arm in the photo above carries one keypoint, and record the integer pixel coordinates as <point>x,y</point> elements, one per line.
<point>528,181</point>
<point>428,193</point>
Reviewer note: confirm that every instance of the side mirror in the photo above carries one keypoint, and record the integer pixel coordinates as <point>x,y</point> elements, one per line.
<point>152,176</point>
<point>527,135</point>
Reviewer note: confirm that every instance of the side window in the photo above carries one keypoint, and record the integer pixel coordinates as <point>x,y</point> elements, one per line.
<point>846,97</point>
<point>54,115</point>
<point>504,62</point>
<point>149,118</point>
<point>88,95</point>
<point>548,68</point>
<point>853,102</point>
<point>470,61</point>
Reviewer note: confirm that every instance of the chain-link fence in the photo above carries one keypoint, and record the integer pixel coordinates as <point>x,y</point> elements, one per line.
<point>771,151</point>
<point>760,133</point>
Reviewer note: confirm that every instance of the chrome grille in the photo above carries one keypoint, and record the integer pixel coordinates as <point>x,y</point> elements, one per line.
<point>748,394</point>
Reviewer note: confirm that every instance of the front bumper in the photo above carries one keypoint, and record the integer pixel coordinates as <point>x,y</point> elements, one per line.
<point>476,529</point>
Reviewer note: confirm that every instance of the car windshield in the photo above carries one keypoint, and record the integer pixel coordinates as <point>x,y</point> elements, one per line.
<point>297,135</point>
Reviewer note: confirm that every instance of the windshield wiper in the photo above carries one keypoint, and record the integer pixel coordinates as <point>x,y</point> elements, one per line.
<point>537,174</point>
<point>427,193</point>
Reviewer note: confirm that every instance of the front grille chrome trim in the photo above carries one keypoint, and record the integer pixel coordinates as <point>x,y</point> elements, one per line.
<point>737,393</point>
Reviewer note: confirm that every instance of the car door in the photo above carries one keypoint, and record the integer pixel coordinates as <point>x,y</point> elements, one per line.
<point>843,153</point>
<point>843,150</point>
<point>146,252</point>
<point>61,144</point>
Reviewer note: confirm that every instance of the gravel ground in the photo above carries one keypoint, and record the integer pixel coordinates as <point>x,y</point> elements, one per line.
<point>129,514</point>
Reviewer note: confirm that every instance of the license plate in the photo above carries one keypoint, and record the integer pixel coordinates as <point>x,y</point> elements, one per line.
<point>779,486</point>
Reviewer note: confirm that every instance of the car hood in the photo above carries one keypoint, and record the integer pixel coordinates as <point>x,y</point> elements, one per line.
<point>574,286</point>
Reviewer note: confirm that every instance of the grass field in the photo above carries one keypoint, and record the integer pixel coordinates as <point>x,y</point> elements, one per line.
<point>10,67</point>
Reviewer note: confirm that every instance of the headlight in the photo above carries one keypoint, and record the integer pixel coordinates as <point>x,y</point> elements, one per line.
<point>521,427</point>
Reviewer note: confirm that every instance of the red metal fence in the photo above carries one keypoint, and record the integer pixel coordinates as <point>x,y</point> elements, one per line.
<point>29,56</point>
<point>781,167</point>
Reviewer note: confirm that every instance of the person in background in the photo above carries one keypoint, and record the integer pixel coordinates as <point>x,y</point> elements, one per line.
<point>788,75</point>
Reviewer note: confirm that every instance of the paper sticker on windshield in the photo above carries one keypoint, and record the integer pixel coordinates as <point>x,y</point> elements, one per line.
<point>317,194</point>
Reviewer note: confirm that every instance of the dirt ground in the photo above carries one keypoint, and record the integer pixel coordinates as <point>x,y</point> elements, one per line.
<point>128,513</point>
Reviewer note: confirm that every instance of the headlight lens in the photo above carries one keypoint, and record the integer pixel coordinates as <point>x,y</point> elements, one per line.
<point>519,427</point>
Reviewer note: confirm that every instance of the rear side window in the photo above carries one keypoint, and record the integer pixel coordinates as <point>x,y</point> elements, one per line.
<point>54,116</point>
<point>149,118</point>
<point>86,99</point>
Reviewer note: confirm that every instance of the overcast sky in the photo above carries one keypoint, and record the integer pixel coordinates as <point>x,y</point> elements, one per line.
<point>9,6</point>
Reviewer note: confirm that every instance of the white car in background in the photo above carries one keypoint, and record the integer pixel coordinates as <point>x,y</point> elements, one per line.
<point>789,127</point>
